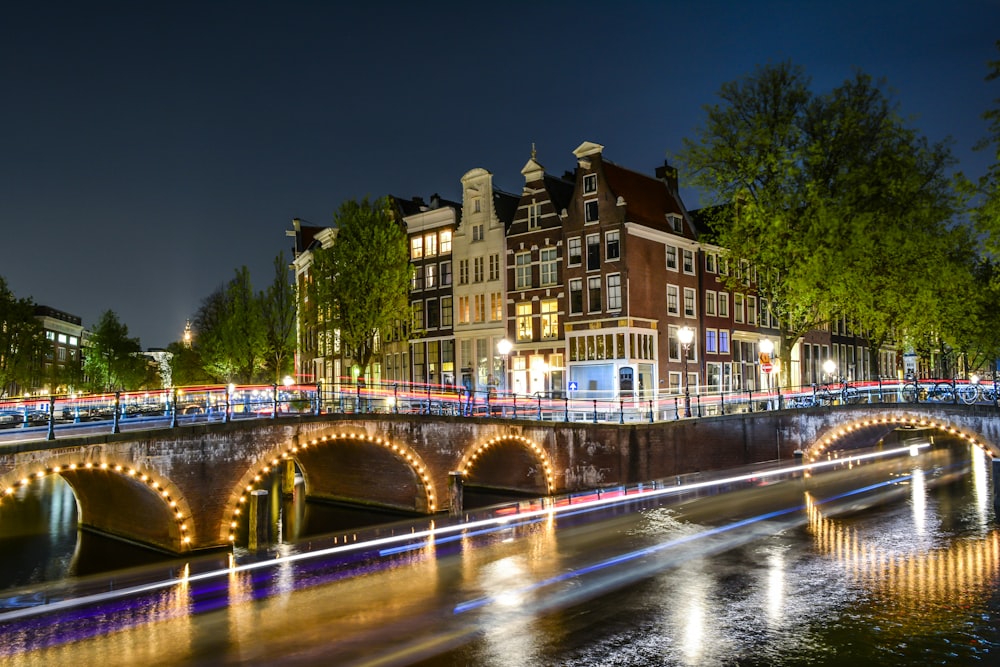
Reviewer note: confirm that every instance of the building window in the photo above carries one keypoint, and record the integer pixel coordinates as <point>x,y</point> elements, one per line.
<point>673,300</point>
<point>576,296</point>
<point>590,183</point>
<point>671,258</point>
<point>738,307</point>
<point>524,321</point>
<point>446,314</point>
<point>430,275</point>
<point>574,252</point>
<point>752,310</point>
<point>494,267</point>
<point>522,270</point>
<point>688,262</point>
<point>550,318</point>
<point>765,315</point>
<point>723,342</point>
<point>463,310</point>
<point>416,247</point>
<point>430,245</point>
<point>463,272</point>
<point>614,292</point>
<point>433,314</point>
<point>477,232</point>
<point>417,315</point>
<point>710,341</point>
<point>676,223</point>
<point>689,298</point>
<point>594,294</point>
<point>549,266</point>
<point>477,269</point>
<point>496,306</point>
<point>612,248</point>
<point>590,211</point>
<point>710,303</point>
<point>477,205</point>
<point>709,263</point>
<point>479,314</point>
<point>534,215</point>
<point>445,274</point>
<point>445,241</point>
<point>593,252</point>
<point>417,279</point>
<point>723,304</point>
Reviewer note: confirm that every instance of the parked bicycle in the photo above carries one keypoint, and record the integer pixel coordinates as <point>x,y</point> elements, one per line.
<point>845,394</point>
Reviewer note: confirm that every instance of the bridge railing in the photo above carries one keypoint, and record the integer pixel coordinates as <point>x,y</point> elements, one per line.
<point>42,416</point>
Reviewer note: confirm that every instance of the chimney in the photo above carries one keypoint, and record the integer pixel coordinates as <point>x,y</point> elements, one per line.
<point>435,201</point>
<point>668,175</point>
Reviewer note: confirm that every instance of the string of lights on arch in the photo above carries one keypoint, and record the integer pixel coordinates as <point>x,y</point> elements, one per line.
<point>403,452</point>
<point>920,422</point>
<point>532,445</point>
<point>160,489</point>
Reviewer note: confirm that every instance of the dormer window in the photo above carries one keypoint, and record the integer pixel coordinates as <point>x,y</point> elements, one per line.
<point>676,223</point>
<point>590,183</point>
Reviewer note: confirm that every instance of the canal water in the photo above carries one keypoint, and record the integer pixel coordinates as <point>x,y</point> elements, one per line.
<point>902,574</point>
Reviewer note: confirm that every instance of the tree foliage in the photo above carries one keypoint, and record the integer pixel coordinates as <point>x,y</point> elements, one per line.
<point>360,285</point>
<point>113,360</point>
<point>840,207</point>
<point>278,313</point>
<point>22,341</point>
<point>241,336</point>
<point>987,189</point>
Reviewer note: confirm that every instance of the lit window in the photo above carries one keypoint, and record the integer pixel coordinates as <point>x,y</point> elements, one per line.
<point>524,321</point>
<point>496,306</point>
<point>445,241</point>
<point>416,247</point>
<point>430,245</point>
<point>550,319</point>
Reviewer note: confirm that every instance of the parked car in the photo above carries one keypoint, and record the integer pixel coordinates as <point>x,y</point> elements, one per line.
<point>10,418</point>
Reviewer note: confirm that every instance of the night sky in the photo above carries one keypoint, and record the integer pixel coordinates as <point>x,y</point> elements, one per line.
<point>149,149</point>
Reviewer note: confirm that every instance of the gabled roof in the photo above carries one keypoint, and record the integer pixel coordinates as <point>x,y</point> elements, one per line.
<point>505,207</point>
<point>647,200</point>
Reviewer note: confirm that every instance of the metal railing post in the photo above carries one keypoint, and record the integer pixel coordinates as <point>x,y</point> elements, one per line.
<point>621,411</point>
<point>52,418</point>
<point>595,410</point>
<point>515,406</point>
<point>677,414</point>
<point>116,427</point>
<point>173,407</point>
<point>650,411</point>
<point>274,405</point>
<point>539,397</point>
<point>566,408</point>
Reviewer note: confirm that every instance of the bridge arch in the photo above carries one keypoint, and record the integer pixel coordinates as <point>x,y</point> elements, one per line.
<point>116,498</point>
<point>843,432</point>
<point>254,477</point>
<point>475,454</point>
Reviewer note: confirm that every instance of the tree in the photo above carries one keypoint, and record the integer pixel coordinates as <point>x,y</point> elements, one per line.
<point>277,306</point>
<point>22,342</point>
<point>230,332</point>
<point>840,208</point>
<point>360,285</point>
<point>114,361</point>
<point>986,213</point>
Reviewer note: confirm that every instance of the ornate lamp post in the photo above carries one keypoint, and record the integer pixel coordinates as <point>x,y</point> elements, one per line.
<point>685,335</point>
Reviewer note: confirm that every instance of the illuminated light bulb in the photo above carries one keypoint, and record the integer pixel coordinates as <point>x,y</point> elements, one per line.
<point>232,538</point>
<point>237,512</point>
<point>179,516</point>
<point>145,478</point>
<point>118,468</point>
<point>89,465</point>
<point>232,524</point>
<point>184,526</point>
<point>9,490</point>
<point>72,466</point>
<point>243,499</point>
<point>25,481</point>
<point>156,485</point>
<point>186,539</point>
<point>267,469</point>
<point>132,473</point>
<point>256,478</point>
<point>104,466</point>
<point>164,493</point>
<point>173,503</point>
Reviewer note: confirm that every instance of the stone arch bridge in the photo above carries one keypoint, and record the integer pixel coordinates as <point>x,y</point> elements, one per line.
<point>186,488</point>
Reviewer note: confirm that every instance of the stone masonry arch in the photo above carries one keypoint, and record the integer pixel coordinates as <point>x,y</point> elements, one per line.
<point>842,434</point>
<point>426,501</point>
<point>473,455</point>
<point>116,498</point>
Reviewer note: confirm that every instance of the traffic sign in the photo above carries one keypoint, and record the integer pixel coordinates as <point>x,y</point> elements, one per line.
<point>766,368</point>
<point>573,386</point>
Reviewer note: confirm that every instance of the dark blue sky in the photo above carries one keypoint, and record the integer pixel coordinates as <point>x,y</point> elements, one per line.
<point>149,149</point>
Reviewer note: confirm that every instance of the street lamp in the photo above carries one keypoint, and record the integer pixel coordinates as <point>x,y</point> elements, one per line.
<point>685,335</point>
<point>829,368</point>
<point>503,348</point>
